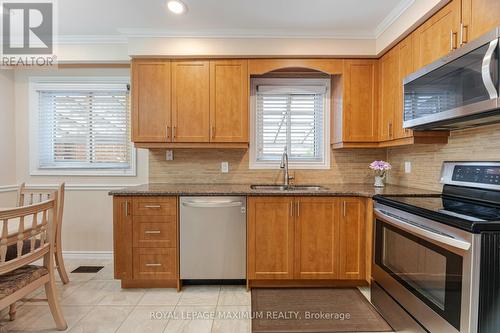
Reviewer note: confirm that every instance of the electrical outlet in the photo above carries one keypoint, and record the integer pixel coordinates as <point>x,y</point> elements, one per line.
<point>224,167</point>
<point>407,167</point>
<point>169,155</point>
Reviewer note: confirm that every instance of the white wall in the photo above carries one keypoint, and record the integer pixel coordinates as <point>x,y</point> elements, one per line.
<point>87,222</point>
<point>7,137</point>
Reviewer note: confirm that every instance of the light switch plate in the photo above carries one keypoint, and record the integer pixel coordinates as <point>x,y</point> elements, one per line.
<point>407,167</point>
<point>169,155</point>
<point>224,167</point>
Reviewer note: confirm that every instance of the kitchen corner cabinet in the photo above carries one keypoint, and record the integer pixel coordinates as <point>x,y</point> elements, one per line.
<point>354,103</point>
<point>145,241</point>
<point>189,103</point>
<point>389,88</point>
<point>306,238</point>
<point>151,100</point>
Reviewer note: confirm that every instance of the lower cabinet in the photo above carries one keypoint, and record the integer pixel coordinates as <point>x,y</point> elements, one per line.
<point>306,238</point>
<point>146,241</point>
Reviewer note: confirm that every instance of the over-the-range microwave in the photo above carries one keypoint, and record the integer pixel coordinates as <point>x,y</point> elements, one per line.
<point>458,91</point>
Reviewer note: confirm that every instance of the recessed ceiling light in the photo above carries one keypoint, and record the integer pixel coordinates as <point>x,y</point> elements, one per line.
<point>176,6</point>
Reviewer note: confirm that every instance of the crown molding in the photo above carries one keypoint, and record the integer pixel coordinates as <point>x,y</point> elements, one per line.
<point>91,39</point>
<point>251,34</point>
<point>395,13</point>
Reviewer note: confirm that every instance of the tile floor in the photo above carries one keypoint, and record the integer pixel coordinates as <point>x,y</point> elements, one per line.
<point>95,303</point>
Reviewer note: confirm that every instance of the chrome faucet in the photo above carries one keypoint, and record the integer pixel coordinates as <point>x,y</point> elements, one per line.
<point>284,166</point>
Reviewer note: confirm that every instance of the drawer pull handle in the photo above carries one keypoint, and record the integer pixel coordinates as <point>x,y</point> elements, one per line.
<point>152,206</point>
<point>152,232</point>
<point>153,265</point>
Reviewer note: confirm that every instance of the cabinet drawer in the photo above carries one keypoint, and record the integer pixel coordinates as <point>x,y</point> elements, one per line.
<point>155,263</point>
<point>155,231</point>
<point>155,206</point>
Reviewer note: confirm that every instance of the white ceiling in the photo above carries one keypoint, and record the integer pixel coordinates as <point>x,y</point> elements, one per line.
<point>225,18</point>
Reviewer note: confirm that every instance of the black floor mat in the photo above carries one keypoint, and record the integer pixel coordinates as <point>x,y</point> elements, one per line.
<point>87,269</point>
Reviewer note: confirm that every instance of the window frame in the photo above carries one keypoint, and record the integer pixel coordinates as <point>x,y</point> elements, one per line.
<point>253,162</point>
<point>34,112</point>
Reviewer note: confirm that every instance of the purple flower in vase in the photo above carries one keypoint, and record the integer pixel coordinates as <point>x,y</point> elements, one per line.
<point>380,167</point>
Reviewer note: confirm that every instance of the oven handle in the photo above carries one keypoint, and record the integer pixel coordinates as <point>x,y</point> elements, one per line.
<point>414,229</point>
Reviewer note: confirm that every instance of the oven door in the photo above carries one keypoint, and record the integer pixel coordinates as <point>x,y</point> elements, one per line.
<point>426,268</point>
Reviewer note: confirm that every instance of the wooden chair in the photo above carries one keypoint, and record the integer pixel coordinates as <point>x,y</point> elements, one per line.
<point>35,224</point>
<point>29,197</point>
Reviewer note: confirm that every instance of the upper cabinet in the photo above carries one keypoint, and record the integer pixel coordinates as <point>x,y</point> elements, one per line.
<point>456,24</point>
<point>151,100</point>
<point>478,17</point>
<point>190,103</point>
<point>389,88</point>
<point>438,35</point>
<point>354,103</point>
<point>229,101</point>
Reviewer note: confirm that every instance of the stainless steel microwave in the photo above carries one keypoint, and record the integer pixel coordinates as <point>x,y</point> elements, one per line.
<point>458,91</point>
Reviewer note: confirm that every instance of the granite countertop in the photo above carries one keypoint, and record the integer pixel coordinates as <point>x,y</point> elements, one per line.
<point>359,190</point>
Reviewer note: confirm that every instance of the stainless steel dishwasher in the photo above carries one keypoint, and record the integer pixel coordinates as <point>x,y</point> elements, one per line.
<point>213,238</point>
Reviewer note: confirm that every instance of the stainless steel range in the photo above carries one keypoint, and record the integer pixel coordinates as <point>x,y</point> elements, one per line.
<point>438,257</point>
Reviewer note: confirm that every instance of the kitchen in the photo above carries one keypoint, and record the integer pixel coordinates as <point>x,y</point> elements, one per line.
<point>214,169</point>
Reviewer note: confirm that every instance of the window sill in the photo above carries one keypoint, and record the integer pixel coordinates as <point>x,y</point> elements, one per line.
<point>80,172</point>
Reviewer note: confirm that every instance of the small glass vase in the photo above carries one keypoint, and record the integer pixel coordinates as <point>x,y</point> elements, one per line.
<point>379,181</point>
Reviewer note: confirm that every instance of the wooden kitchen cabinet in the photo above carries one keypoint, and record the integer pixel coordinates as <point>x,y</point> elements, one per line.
<point>479,17</point>
<point>438,35</point>
<point>306,239</point>
<point>122,237</point>
<point>190,101</point>
<point>151,100</point>
<point>229,101</point>
<point>270,236</point>
<point>145,236</point>
<point>354,103</point>
<point>406,66</point>
<point>352,239</point>
<point>316,238</point>
<point>389,88</point>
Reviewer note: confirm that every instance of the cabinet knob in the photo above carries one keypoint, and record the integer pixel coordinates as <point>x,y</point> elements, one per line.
<point>152,232</point>
<point>153,265</point>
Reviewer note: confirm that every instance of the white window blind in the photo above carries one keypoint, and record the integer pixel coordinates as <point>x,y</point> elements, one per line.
<point>84,126</point>
<point>291,117</point>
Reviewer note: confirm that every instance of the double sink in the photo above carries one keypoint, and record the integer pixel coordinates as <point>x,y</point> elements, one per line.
<point>286,188</point>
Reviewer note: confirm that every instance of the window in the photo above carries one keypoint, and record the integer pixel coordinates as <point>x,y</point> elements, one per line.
<point>291,114</point>
<point>82,127</point>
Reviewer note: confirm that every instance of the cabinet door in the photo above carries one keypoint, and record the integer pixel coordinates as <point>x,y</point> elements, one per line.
<point>389,93</point>
<point>316,238</point>
<point>122,237</point>
<point>406,66</point>
<point>151,89</point>
<point>270,238</point>
<point>479,17</point>
<point>360,106</point>
<point>439,34</point>
<point>352,238</point>
<point>190,101</point>
<point>229,101</point>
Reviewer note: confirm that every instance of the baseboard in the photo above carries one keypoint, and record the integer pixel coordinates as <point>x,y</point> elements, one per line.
<point>102,255</point>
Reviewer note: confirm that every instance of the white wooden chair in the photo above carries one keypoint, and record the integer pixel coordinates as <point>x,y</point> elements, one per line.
<point>35,224</point>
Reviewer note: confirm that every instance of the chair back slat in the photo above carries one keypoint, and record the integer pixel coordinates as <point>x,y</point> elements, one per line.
<point>15,231</point>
